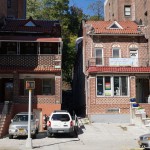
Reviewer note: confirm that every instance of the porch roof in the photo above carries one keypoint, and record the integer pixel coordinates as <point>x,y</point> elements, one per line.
<point>29,39</point>
<point>103,69</point>
<point>39,69</point>
<point>49,27</point>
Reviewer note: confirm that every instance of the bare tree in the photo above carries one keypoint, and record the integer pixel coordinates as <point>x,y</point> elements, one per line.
<point>98,8</point>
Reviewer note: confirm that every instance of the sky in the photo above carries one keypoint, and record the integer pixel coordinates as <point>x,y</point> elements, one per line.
<point>83,4</point>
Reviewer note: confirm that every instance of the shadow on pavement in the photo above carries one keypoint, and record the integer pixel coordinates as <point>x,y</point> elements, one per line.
<point>57,143</point>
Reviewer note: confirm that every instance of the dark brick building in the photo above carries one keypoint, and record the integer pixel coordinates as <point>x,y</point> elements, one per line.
<point>13,9</point>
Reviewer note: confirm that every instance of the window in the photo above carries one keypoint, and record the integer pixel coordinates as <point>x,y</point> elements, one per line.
<point>8,3</point>
<point>100,89</point>
<point>48,86</point>
<point>112,86</point>
<point>99,56</point>
<point>121,86</point>
<point>127,10</point>
<point>115,53</point>
<point>104,86</point>
<point>42,86</point>
<point>9,48</point>
<point>28,48</point>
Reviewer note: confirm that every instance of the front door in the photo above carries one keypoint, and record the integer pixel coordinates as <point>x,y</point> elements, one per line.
<point>8,91</point>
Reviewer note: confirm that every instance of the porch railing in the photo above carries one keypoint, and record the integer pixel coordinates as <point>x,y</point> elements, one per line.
<point>107,61</point>
<point>30,60</point>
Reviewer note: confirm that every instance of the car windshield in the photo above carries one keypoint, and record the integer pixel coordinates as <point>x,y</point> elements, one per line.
<point>61,117</point>
<point>19,118</point>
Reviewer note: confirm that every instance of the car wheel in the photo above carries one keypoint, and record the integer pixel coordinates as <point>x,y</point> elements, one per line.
<point>34,136</point>
<point>37,131</point>
<point>10,136</point>
<point>49,134</point>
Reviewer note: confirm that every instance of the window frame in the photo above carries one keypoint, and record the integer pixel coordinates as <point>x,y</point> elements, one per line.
<point>119,52</point>
<point>96,57</point>
<point>127,11</point>
<point>49,86</point>
<point>111,91</point>
<point>8,3</point>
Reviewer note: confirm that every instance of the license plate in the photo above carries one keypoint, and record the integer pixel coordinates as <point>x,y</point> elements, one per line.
<point>60,131</point>
<point>21,130</point>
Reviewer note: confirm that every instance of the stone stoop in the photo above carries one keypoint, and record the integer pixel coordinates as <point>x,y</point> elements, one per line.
<point>4,119</point>
<point>140,118</point>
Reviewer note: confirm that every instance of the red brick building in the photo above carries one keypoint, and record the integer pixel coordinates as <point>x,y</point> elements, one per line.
<point>13,9</point>
<point>112,67</point>
<point>31,50</point>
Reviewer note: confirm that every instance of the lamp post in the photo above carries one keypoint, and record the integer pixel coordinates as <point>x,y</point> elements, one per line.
<point>29,86</point>
<point>29,139</point>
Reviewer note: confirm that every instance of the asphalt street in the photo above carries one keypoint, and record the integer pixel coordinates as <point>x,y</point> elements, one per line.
<point>94,136</point>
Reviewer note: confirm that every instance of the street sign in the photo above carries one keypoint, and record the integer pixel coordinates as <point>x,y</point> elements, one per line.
<point>30,85</point>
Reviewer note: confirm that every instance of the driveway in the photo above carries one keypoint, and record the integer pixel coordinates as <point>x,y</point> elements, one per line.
<point>95,136</point>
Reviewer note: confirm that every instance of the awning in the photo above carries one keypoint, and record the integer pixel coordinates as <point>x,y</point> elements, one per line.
<point>29,39</point>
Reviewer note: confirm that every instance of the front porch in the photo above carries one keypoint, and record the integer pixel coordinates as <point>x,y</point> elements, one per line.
<point>47,88</point>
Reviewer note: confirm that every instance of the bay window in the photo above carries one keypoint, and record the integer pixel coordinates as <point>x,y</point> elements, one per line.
<point>112,86</point>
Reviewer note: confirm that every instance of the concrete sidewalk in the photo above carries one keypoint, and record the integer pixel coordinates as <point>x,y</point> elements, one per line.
<point>95,136</point>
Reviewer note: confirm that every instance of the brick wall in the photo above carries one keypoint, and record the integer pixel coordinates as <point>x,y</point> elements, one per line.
<point>3,8</point>
<point>58,87</point>
<point>101,105</point>
<point>114,10</point>
<point>46,108</point>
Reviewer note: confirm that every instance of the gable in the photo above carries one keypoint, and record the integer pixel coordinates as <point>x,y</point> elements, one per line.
<point>115,25</point>
<point>30,24</point>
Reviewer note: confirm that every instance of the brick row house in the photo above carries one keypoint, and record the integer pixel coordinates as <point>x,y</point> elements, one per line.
<point>133,10</point>
<point>31,50</point>
<point>112,66</point>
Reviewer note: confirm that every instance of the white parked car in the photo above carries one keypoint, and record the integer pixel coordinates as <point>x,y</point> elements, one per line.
<point>60,121</point>
<point>19,125</point>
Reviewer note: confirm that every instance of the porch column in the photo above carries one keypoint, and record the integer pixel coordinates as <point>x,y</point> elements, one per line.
<point>58,87</point>
<point>132,86</point>
<point>15,86</point>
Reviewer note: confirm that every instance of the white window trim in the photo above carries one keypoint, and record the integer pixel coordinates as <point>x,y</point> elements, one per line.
<point>97,57</point>
<point>119,51</point>
<point>127,6</point>
<point>112,86</point>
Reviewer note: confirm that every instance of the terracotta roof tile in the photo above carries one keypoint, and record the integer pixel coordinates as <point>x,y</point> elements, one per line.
<point>40,69</point>
<point>118,69</point>
<point>102,27</point>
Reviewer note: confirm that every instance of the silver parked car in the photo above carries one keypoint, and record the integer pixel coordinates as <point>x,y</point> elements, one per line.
<point>19,125</point>
<point>144,141</point>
